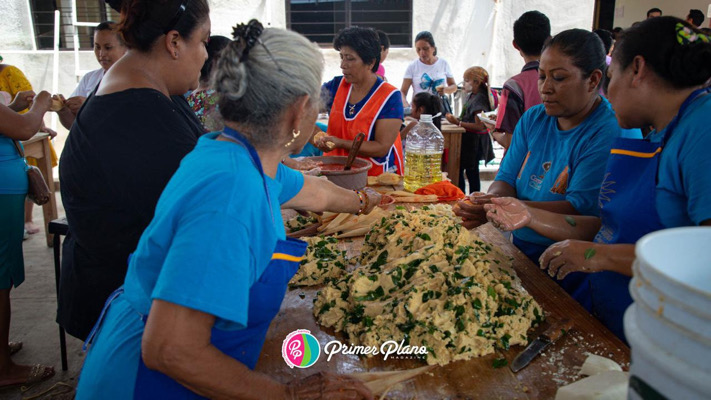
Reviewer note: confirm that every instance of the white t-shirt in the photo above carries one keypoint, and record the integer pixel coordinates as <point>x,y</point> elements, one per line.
<point>88,83</point>
<point>425,78</point>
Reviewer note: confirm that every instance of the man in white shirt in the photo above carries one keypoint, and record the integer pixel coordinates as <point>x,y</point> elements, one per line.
<point>108,48</point>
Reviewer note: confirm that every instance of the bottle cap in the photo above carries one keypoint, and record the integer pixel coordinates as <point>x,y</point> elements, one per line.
<point>425,118</point>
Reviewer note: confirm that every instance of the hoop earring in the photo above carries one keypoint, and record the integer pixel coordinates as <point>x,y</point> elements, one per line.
<point>295,134</point>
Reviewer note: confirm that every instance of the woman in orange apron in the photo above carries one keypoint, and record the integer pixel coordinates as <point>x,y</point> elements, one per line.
<point>360,101</point>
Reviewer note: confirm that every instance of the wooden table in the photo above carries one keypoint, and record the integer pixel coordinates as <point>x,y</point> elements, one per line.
<point>452,141</point>
<point>475,378</point>
<point>38,147</point>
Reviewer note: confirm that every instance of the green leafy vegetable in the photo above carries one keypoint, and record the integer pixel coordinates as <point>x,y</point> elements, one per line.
<point>590,253</point>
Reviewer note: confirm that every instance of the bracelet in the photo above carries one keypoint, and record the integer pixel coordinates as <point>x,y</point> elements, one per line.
<point>367,201</point>
<point>361,200</point>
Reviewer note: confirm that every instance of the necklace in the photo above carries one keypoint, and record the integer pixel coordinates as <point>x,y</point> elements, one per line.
<point>351,109</point>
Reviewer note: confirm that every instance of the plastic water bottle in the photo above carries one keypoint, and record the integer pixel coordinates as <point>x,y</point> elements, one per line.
<point>423,154</point>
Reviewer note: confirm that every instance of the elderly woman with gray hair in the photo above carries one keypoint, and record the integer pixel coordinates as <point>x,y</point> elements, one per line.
<point>212,268</point>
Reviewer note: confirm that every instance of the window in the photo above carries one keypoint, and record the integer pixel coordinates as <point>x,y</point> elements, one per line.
<point>320,20</point>
<point>87,10</point>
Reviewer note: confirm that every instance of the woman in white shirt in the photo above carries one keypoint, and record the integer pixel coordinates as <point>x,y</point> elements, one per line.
<point>428,73</point>
<point>108,48</point>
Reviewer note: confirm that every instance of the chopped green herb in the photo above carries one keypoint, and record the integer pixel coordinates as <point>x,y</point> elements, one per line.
<point>491,292</point>
<point>500,362</point>
<point>423,236</point>
<point>476,304</point>
<point>570,220</point>
<point>590,253</point>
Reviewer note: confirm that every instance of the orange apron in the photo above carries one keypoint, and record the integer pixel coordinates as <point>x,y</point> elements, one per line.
<point>347,128</point>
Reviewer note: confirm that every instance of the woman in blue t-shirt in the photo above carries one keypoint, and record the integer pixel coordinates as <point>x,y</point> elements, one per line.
<point>557,157</point>
<point>211,270</point>
<point>13,189</point>
<point>661,182</point>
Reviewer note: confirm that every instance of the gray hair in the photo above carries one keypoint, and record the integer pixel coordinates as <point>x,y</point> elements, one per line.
<point>256,92</point>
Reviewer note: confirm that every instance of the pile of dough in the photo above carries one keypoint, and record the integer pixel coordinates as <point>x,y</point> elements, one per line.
<point>427,281</point>
<point>300,222</point>
<point>323,262</point>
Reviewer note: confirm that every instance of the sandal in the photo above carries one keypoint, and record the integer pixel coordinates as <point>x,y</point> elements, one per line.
<point>14,347</point>
<point>38,373</point>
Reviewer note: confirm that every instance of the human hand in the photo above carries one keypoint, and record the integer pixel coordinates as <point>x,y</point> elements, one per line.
<point>45,129</point>
<point>452,119</point>
<point>507,213</point>
<point>488,126</point>
<point>22,100</point>
<point>73,104</point>
<point>440,89</point>
<point>325,385</point>
<point>42,102</point>
<point>326,143</point>
<point>569,256</point>
<point>373,199</point>
<point>471,209</point>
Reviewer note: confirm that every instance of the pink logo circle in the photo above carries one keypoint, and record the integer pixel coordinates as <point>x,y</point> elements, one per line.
<point>300,349</point>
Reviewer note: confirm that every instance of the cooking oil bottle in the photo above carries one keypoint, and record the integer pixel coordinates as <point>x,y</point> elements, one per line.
<point>423,154</point>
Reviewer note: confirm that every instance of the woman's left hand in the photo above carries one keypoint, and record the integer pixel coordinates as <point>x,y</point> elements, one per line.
<point>569,256</point>
<point>452,119</point>
<point>507,213</point>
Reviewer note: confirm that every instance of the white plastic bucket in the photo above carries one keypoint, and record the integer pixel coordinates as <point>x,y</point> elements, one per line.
<point>659,369</point>
<point>669,325</point>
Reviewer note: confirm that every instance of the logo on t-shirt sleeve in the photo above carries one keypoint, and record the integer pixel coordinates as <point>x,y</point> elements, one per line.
<point>561,183</point>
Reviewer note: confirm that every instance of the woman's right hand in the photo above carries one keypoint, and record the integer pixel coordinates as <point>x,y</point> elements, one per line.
<point>42,102</point>
<point>326,143</point>
<point>325,385</point>
<point>73,104</point>
<point>508,213</point>
<point>471,209</point>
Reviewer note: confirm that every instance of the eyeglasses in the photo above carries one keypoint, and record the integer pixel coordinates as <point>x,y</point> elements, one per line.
<point>176,18</point>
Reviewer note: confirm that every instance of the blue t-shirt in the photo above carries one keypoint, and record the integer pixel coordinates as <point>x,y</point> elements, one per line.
<point>13,178</point>
<point>211,238</point>
<point>684,177</point>
<point>392,108</point>
<point>545,163</point>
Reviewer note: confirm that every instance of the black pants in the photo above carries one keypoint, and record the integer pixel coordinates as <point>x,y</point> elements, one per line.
<point>472,177</point>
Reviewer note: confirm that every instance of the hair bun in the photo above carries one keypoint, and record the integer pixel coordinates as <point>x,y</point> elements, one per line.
<point>115,4</point>
<point>247,36</point>
<point>690,64</point>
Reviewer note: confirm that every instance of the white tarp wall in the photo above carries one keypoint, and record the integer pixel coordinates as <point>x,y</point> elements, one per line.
<point>467,33</point>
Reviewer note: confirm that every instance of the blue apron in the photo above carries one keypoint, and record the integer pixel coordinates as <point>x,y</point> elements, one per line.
<point>265,297</point>
<point>628,200</point>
